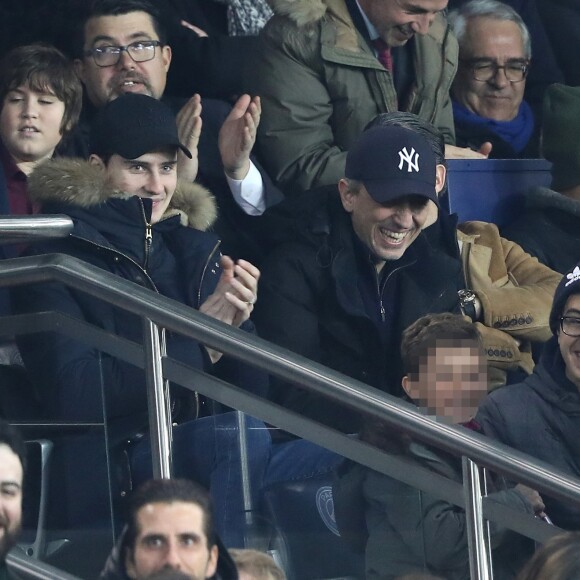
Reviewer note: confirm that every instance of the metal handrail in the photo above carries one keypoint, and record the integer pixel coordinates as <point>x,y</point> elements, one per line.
<point>22,566</point>
<point>15,229</point>
<point>159,311</point>
<point>170,314</point>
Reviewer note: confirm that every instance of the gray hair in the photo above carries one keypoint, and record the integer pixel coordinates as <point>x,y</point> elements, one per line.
<point>459,18</point>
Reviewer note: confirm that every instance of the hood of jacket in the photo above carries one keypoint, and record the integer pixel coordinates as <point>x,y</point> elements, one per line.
<point>545,198</point>
<point>550,383</point>
<point>80,183</point>
<point>302,12</point>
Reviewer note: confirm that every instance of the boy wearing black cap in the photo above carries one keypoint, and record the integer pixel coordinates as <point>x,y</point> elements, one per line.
<point>134,219</point>
<point>541,415</point>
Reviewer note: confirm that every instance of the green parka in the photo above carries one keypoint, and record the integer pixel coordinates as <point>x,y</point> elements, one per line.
<point>320,84</point>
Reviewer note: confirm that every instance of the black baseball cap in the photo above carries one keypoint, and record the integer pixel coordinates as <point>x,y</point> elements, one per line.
<point>393,161</point>
<point>132,125</point>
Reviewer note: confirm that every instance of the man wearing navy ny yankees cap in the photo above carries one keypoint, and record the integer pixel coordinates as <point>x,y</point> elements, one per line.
<point>357,269</point>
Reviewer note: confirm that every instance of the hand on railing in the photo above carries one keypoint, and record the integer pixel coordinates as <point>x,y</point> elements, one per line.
<point>533,497</point>
<point>233,300</point>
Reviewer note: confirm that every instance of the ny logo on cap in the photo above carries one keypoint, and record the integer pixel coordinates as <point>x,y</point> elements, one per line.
<point>412,159</point>
<point>573,276</point>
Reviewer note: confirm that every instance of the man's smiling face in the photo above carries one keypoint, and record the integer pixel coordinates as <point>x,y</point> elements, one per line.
<point>387,229</point>
<point>570,345</point>
<point>103,84</point>
<point>397,21</point>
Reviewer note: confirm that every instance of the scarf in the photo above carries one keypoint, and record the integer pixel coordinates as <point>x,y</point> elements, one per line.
<point>246,17</point>
<point>516,133</point>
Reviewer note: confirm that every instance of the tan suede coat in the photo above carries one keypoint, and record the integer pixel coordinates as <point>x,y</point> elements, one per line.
<point>516,294</point>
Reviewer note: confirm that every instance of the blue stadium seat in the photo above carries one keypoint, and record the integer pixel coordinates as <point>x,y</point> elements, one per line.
<point>302,512</point>
<point>492,190</point>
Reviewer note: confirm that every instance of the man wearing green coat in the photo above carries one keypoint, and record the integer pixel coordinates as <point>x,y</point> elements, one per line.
<point>327,67</point>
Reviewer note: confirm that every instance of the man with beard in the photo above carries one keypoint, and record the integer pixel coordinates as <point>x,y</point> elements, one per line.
<point>12,464</point>
<point>170,530</point>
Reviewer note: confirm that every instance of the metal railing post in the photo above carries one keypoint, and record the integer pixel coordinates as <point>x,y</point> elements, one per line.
<point>479,564</point>
<point>157,402</point>
<point>245,471</point>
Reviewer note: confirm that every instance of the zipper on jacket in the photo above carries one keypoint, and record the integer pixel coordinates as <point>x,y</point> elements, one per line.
<point>209,259</point>
<point>380,292</point>
<point>114,251</point>
<point>148,236</point>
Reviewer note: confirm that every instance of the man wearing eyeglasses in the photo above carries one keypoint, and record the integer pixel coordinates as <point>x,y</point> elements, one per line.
<point>488,91</point>
<point>541,415</point>
<point>121,48</point>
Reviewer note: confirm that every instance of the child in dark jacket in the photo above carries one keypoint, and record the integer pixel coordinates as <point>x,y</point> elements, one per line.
<point>408,530</point>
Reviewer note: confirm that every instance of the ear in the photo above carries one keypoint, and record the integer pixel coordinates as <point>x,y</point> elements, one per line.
<point>405,384</point>
<point>79,66</point>
<point>212,562</point>
<point>166,55</point>
<point>409,387</point>
<point>440,175</point>
<point>130,564</point>
<point>96,160</point>
<point>346,195</point>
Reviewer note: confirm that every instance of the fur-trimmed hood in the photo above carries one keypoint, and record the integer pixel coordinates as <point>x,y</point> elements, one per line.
<point>302,12</point>
<point>543,197</point>
<point>78,182</point>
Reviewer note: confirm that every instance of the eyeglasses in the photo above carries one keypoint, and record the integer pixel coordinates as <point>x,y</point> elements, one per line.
<point>140,51</point>
<point>485,70</point>
<point>570,325</point>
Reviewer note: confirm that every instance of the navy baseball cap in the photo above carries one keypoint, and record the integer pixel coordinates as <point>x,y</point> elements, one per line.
<point>132,125</point>
<point>393,161</point>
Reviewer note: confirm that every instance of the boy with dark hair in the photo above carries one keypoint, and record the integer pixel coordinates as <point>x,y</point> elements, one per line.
<point>407,530</point>
<point>133,218</point>
<point>40,103</point>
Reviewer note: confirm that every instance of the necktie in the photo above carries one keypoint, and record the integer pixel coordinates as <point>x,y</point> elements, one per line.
<point>384,53</point>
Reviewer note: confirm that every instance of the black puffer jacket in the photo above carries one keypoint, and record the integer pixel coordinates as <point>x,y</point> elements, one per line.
<point>110,231</point>
<point>311,300</point>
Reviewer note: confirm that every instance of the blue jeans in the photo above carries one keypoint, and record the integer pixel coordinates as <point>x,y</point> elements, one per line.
<point>207,451</point>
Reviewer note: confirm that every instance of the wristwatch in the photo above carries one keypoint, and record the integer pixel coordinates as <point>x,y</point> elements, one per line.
<point>467,303</point>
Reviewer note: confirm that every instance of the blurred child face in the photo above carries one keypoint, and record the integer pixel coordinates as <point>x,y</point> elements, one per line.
<point>30,123</point>
<point>451,381</point>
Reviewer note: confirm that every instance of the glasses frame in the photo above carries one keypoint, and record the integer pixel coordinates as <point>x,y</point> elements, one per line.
<point>471,63</point>
<point>562,319</point>
<point>94,51</point>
